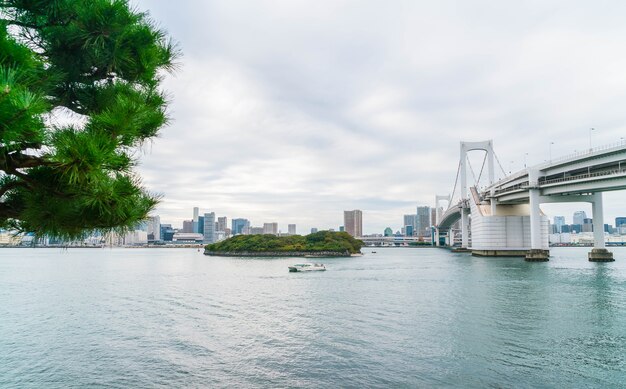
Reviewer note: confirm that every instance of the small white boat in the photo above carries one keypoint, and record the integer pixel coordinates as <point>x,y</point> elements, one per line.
<point>307,267</point>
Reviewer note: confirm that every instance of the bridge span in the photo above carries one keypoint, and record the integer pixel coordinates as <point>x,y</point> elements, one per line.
<point>505,218</point>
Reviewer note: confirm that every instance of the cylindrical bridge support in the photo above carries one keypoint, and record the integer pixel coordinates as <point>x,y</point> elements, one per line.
<point>599,253</point>
<point>536,252</point>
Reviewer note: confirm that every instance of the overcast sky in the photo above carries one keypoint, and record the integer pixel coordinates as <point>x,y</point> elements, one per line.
<point>293,111</point>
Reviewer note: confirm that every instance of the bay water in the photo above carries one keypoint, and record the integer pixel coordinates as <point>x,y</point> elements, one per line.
<point>399,317</point>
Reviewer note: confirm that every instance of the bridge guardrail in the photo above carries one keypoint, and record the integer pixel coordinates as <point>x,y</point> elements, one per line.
<point>524,185</point>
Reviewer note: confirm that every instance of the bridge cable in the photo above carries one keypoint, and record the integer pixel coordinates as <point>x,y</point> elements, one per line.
<point>482,167</point>
<point>499,164</point>
<point>456,180</point>
<point>472,171</point>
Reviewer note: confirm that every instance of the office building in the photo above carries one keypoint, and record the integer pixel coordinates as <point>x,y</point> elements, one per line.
<point>422,224</point>
<point>620,222</point>
<point>201,225</point>
<point>313,230</point>
<point>587,225</point>
<point>291,229</point>
<point>187,226</point>
<point>353,222</point>
<point>579,217</point>
<point>240,226</point>
<point>388,232</point>
<point>342,229</point>
<point>222,223</point>
<point>408,230</point>
<point>167,232</point>
<point>194,220</point>
<point>410,220</point>
<point>559,222</point>
<point>209,227</point>
<point>270,228</point>
<point>153,228</point>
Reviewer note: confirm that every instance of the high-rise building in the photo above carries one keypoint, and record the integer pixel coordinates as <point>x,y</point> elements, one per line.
<point>154,228</point>
<point>579,217</point>
<point>270,228</point>
<point>201,225</point>
<point>422,224</point>
<point>194,222</point>
<point>388,231</point>
<point>342,229</point>
<point>353,222</point>
<point>240,226</point>
<point>188,226</point>
<point>620,222</point>
<point>209,228</point>
<point>559,222</point>
<point>222,223</point>
<point>410,220</point>
<point>587,225</point>
<point>408,230</point>
<point>291,229</point>
<point>313,230</point>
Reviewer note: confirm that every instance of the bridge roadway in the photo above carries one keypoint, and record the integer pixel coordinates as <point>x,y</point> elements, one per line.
<point>581,177</point>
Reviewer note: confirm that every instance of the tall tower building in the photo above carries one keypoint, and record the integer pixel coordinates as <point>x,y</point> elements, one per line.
<point>154,228</point>
<point>410,220</point>
<point>579,217</point>
<point>195,225</point>
<point>222,224</point>
<point>422,222</point>
<point>559,222</point>
<point>353,222</point>
<point>291,229</point>
<point>209,228</point>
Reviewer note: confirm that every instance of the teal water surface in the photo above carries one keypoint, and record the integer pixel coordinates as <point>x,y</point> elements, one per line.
<point>399,317</point>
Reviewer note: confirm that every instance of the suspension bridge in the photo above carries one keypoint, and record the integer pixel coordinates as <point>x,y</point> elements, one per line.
<point>504,218</point>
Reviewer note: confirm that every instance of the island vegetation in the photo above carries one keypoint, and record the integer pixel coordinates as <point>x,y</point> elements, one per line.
<point>320,243</point>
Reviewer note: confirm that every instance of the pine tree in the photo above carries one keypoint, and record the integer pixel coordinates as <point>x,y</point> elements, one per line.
<point>79,96</point>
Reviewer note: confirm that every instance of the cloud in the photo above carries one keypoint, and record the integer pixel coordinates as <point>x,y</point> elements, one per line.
<point>292,111</point>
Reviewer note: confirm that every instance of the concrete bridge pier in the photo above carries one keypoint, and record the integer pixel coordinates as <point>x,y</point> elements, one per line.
<point>599,253</point>
<point>464,229</point>
<point>536,253</point>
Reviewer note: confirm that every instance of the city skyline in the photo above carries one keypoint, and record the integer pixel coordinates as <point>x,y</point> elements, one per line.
<point>338,115</point>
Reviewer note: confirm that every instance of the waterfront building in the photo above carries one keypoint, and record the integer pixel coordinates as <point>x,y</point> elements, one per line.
<point>408,230</point>
<point>240,226</point>
<point>422,224</point>
<point>579,217</point>
<point>620,222</point>
<point>353,221</point>
<point>167,232</point>
<point>587,225</point>
<point>222,224</point>
<point>188,226</point>
<point>291,229</point>
<point>388,232</point>
<point>270,228</point>
<point>187,237</point>
<point>201,225</point>
<point>154,228</point>
<point>209,227</point>
<point>559,222</point>
<point>410,220</point>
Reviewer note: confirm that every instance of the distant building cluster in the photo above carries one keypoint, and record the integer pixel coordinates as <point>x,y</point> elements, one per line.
<point>582,228</point>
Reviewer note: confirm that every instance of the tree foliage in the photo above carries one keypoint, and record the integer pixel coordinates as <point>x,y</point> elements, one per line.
<point>319,241</point>
<point>79,93</point>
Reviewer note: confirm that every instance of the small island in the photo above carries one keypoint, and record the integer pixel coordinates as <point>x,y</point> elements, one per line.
<point>319,244</point>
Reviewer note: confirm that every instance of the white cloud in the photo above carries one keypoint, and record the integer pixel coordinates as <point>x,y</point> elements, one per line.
<point>293,111</point>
